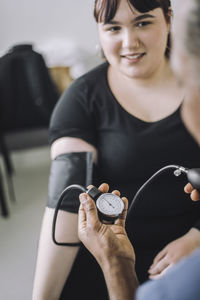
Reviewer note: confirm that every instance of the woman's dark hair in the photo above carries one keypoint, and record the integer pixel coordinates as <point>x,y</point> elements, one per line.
<point>105,10</point>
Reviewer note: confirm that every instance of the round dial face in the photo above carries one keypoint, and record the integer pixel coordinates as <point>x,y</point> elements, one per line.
<point>110,205</point>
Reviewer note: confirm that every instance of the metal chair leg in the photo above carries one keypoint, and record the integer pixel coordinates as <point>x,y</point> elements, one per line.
<point>4,206</point>
<point>11,189</point>
<point>8,167</point>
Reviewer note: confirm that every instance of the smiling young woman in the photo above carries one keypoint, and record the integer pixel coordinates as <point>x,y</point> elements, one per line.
<point>126,112</point>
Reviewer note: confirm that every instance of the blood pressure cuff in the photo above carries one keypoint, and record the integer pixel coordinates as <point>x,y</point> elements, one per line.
<point>67,169</point>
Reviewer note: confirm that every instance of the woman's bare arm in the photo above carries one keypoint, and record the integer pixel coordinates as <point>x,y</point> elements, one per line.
<point>54,262</point>
<point>51,273</point>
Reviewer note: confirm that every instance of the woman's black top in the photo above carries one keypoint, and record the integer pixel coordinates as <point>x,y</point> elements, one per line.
<point>129,152</point>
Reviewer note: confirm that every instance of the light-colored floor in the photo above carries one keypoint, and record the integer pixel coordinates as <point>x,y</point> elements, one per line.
<point>19,233</point>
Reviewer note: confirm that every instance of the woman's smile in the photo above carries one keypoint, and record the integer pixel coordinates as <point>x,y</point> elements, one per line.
<point>132,57</point>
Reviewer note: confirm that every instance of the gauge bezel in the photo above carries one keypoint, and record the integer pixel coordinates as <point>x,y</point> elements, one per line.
<point>102,197</point>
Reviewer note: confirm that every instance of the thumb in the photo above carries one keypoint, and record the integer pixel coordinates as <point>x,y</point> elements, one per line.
<point>90,209</point>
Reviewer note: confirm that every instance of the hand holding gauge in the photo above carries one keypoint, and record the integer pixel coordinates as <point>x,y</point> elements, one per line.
<point>109,207</point>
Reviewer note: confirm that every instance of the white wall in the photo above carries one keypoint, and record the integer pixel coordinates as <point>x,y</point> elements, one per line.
<point>38,21</point>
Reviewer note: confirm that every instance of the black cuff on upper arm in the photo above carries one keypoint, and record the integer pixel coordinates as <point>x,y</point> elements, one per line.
<point>67,169</point>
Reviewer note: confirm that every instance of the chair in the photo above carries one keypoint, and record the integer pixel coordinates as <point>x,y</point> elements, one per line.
<point>27,98</point>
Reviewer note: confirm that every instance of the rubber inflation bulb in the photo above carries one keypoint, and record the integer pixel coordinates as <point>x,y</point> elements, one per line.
<point>193,176</point>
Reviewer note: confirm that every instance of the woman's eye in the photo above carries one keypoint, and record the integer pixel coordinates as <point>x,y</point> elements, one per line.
<point>114,29</point>
<point>143,24</point>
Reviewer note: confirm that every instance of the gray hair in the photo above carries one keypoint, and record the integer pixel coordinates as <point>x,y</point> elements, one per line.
<point>192,37</point>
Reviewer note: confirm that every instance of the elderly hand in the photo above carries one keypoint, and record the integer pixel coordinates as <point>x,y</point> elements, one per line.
<point>173,252</point>
<point>194,194</point>
<point>102,240</point>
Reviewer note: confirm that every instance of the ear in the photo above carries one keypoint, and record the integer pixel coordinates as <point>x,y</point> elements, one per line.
<point>169,17</point>
<point>170,12</point>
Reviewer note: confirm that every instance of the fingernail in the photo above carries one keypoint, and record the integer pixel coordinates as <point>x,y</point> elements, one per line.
<point>83,197</point>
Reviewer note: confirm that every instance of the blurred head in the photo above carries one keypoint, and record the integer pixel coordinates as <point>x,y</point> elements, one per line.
<point>186,43</point>
<point>186,61</point>
<point>134,35</point>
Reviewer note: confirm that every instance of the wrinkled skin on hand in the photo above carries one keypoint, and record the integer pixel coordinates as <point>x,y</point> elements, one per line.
<point>103,240</point>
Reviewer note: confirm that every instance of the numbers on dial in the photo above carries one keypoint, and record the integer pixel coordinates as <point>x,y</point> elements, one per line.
<point>110,204</point>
